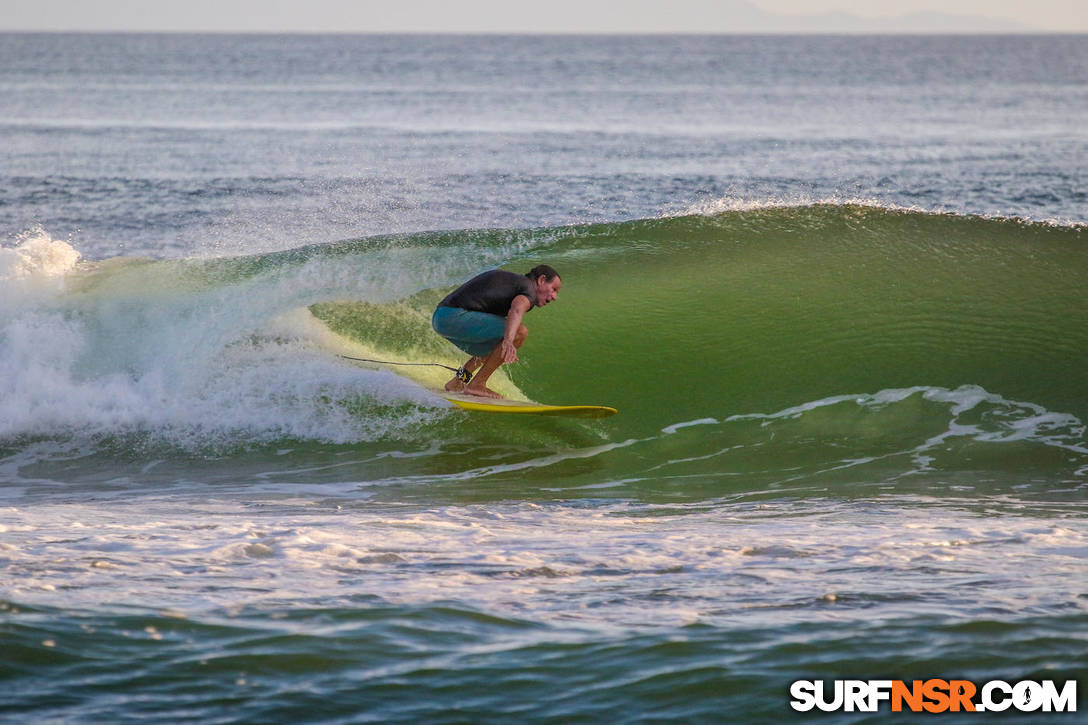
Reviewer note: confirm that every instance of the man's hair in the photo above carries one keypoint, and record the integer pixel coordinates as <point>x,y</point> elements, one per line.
<point>542,269</point>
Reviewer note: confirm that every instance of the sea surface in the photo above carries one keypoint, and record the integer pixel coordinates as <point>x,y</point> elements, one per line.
<point>836,287</point>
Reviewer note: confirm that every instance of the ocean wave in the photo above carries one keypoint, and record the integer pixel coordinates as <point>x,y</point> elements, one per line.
<point>690,318</point>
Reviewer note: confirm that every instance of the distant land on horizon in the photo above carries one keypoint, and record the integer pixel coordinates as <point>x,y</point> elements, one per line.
<point>482,16</point>
<point>923,23</point>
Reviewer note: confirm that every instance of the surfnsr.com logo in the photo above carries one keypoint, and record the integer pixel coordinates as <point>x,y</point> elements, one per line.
<point>934,695</point>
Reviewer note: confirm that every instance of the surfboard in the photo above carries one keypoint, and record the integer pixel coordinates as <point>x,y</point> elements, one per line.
<point>526,407</point>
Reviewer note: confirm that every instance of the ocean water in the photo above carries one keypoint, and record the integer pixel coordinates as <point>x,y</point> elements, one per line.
<point>834,285</point>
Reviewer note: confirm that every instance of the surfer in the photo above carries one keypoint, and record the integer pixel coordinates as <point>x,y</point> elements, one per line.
<point>483,318</point>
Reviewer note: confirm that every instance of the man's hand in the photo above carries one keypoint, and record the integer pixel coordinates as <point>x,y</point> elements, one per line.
<point>518,308</point>
<point>509,352</point>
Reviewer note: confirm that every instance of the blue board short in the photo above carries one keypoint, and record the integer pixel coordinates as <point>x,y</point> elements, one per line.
<point>477,333</point>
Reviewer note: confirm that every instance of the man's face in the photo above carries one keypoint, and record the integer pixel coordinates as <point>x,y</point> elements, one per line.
<point>547,291</point>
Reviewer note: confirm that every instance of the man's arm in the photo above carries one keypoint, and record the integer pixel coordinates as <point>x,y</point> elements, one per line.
<point>518,308</point>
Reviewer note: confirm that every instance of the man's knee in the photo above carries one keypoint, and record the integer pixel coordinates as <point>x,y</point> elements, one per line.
<point>519,338</point>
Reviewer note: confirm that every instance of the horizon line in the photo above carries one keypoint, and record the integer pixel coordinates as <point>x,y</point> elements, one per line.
<point>545,33</point>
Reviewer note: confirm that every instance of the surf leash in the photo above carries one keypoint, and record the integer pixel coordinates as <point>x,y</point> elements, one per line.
<point>463,375</point>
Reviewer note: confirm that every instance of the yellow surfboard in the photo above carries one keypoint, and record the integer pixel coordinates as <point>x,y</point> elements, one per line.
<point>526,407</point>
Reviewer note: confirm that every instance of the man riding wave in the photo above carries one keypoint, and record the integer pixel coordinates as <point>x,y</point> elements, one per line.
<point>483,317</point>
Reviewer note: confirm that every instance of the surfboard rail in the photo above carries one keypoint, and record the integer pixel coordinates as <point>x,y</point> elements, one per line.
<point>526,407</point>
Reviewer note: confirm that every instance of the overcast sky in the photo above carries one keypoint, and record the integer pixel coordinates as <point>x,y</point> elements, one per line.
<point>575,16</point>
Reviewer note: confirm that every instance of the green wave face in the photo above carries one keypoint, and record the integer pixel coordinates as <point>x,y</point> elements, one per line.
<point>797,344</point>
<point>760,310</point>
<point>757,311</point>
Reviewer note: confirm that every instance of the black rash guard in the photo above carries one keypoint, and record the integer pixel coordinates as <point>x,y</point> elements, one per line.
<point>492,292</point>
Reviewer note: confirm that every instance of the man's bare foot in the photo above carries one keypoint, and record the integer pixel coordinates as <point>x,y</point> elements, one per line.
<point>481,392</point>
<point>455,386</point>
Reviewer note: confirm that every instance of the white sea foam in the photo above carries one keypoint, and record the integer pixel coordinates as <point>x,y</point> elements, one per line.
<point>618,565</point>
<point>196,352</point>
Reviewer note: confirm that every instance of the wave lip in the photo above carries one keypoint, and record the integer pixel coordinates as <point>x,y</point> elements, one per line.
<point>35,266</point>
